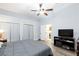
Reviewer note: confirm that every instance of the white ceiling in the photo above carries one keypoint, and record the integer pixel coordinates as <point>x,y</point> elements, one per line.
<point>22,8</point>
<point>25,8</point>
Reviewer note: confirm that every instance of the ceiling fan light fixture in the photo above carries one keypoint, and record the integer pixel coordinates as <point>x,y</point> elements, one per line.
<point>42,10</point>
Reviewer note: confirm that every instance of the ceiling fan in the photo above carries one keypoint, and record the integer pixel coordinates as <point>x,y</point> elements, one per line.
<point>42,10</point>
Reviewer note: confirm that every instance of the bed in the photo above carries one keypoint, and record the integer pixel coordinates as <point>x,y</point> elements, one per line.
<point>25,48</point>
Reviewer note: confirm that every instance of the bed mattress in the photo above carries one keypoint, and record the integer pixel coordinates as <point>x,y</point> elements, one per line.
<point>25,48</point>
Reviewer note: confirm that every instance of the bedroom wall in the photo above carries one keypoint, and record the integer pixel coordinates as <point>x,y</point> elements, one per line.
<point>67,18</point>
<point>12,19</point>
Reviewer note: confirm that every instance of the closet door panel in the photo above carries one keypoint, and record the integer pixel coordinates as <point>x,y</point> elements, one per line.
<point>31,32</point>
<point>25,32</point>
<point>15,32</point>
<point>6,28</point>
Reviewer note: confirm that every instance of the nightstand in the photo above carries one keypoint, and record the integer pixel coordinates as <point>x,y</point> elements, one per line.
<point>3,41</point>
<point>2,47</point>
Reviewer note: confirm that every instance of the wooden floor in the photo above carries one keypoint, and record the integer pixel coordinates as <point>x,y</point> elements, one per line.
<point>58,51</point>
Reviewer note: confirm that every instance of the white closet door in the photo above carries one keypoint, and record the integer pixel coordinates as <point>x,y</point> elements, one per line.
<point>31,32</point>
<point>6,28</point>
<point>15,32</point>
<point>27,32</point>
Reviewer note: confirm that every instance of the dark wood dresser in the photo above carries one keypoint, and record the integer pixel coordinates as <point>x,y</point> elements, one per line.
<point>65,42</point>
<point>77,49</point>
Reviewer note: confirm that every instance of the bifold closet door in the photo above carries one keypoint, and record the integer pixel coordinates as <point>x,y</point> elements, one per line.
<point>27,32</point>
<point>15,32</point>
<point>6,28</point>
<point>31,34</point>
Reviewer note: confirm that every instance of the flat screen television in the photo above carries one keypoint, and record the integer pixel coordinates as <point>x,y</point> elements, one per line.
<point>65,32</point>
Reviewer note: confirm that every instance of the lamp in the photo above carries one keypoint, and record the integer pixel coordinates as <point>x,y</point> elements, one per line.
<point>2,34</point>
<point>1,37</point>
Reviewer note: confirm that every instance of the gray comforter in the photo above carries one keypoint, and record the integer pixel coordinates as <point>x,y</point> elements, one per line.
<point>25,48</point>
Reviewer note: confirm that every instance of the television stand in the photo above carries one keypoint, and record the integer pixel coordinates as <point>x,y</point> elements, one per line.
<point>65,42</point>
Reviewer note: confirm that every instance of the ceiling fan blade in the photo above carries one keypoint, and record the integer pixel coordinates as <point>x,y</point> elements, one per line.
<point>46,14</point>
<point>49,9</point>
<point>33,10</point>
<point>40,5</point>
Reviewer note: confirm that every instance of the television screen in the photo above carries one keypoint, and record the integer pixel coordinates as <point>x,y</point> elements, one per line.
<point>65,32</point>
